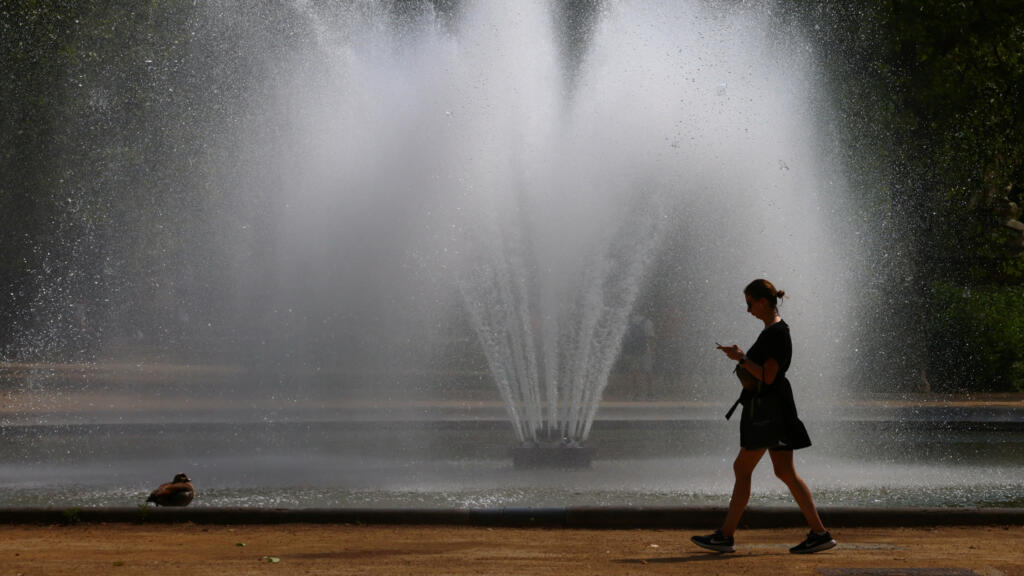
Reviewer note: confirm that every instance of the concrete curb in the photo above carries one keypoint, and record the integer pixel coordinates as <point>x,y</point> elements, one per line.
<point>559,517</point>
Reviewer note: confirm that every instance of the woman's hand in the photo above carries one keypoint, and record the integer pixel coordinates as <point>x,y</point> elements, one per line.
<point>733,352</point>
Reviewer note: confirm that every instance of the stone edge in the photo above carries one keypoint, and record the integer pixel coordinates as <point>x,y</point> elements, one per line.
<point>581,517</point>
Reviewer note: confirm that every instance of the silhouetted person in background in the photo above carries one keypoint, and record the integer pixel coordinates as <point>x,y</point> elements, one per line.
<point>638,350</point>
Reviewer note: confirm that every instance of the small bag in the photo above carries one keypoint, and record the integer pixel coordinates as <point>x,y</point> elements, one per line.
<point>768,424</point>
<point>766,419</point>
<point>750,385</point>
<point>747,380</point>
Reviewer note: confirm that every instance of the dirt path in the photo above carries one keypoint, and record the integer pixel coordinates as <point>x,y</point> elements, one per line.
<point>195,550</point>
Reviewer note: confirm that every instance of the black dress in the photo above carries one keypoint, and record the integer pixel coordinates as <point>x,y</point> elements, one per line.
<point>774,342</point>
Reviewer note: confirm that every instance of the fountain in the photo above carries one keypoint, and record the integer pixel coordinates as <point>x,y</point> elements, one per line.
<point>544,163</point>
<point>547,179</point>
<point>564,193</point>
<point>332,254</point>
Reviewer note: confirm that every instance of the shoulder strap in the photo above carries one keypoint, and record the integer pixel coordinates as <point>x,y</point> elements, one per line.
<point>733,409</point>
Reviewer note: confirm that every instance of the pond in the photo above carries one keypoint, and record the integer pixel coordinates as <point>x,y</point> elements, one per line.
<point>917,460</point>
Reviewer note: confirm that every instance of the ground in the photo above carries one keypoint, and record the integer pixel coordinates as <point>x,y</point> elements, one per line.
<point>196,550</point>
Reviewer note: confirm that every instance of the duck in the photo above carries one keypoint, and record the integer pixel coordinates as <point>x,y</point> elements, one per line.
<point>178,492</point>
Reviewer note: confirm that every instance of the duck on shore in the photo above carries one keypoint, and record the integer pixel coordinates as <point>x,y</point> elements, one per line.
<point>178,492</point>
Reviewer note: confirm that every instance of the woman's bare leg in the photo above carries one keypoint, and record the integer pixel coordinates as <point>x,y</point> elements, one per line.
<point>743,467</point>
<point>782,461</point>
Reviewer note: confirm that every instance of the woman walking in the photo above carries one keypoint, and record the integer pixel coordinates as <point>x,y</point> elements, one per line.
<point>774,428</point>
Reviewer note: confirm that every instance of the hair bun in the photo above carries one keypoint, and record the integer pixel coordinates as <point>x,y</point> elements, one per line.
<point>780,294</point>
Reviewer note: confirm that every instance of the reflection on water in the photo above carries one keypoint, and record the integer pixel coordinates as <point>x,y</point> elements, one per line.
<point>464,465</point>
